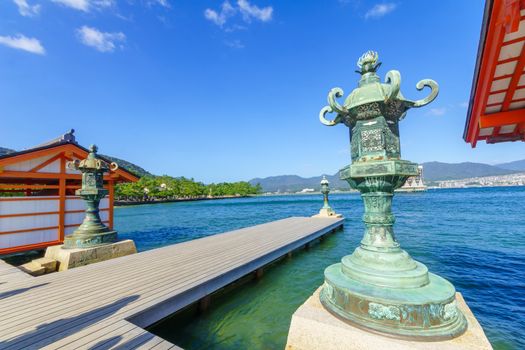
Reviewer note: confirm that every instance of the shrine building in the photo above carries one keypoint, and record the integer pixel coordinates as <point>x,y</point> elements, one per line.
<point>38,206</point>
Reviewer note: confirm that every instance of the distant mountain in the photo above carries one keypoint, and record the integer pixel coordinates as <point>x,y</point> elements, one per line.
<point>518,165</point>
<point>294,183</point>
<point>5,151</point>
<point>135,169</point>
<point>432,171</point>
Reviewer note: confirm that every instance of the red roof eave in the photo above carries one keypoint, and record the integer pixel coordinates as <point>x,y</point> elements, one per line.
<point>500,17</point>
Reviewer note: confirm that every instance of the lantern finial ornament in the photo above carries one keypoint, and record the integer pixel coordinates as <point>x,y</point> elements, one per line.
<point>92,232</point>
<point>368,62</point>
<point>379,286</point>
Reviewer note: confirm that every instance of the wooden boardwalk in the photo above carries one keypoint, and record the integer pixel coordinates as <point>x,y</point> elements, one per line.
<point>108,304</point>
<point>9,273</point>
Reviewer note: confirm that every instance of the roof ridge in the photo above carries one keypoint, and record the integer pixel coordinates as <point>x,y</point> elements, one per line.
<point>67,137</point>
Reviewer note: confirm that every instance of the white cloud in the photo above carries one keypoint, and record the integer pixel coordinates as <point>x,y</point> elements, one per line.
<point>86,5</point>
<point>379,10</point>
<point>220,18</point>
<point>22,42</point>
<point>103,42</point>
<point>164,3</point>
<point>103,3</point>
<point>437,111</point>
<point>253,11</point>
<point>234,28</point>
<point>235,44</point>
<point>352,3</point>
<point>464,104</point>
<point>247,10</point>
<point>81,5</point>
<point>27,10</point>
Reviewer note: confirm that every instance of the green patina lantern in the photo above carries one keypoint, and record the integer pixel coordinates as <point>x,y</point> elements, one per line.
<point>92,232</point>
<point>380,287</point>
<point>325,189</point>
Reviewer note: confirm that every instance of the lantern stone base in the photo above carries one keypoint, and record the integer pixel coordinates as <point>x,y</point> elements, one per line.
<point>327,213</point>
<point>313,327</point>
<point>75,257</point>
<point>90,238</point>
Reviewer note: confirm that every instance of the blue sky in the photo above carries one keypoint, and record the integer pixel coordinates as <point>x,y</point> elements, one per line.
<point>224,91</point>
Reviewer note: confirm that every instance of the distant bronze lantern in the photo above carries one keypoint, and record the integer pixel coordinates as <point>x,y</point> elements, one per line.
<point>326,210</point>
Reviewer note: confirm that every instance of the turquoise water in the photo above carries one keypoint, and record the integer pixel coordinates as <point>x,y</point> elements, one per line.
<point>473,237</point>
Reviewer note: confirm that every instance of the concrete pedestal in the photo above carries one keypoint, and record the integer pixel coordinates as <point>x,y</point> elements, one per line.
<point>313,327</point>
<point>70,258</point>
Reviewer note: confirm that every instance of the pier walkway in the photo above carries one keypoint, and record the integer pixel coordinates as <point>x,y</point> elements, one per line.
<point>9,273</point>
<point>108,304</point>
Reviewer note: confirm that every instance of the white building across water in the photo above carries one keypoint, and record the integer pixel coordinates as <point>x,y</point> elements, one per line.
<point>415,183</point>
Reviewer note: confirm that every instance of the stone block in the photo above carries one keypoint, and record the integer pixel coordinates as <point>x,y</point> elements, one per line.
<point>33,269</point>
<point>313,327</point>
<point>71,258</point>
<point>49,264</point>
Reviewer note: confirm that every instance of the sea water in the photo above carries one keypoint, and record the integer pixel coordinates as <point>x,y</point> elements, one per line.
<point>473,237</point>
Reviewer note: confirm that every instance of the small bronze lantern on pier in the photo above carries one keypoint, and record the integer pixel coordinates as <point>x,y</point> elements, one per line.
<point>92,232</point>
<point>380,287</point>
<point>326,210</point>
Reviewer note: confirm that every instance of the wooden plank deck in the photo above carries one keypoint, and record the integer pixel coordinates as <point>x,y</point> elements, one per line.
<point>9,273</point>
<point>108,304</point>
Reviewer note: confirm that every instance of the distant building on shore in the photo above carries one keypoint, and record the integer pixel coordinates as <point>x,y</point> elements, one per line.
<point>517,179</point>
<point>414,183</point>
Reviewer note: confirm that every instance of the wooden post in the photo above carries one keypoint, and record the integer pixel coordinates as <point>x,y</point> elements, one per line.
<point>204,303</point>
<point>259,273</point>
<point>111,200</point>
<point>28,190</point>
<point>62,200</point>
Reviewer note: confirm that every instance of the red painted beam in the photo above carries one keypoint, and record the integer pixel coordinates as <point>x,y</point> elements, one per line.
<point>514,80</point>
<point>505,138</point>
<point>22,248</point>
<point>516,116</point>
<point>504,18</point>
<point>489,59</point>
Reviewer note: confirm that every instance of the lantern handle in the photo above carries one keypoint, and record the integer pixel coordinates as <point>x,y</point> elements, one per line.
<point>433,93</point>
<point>332,95</point>
<point>326,110</point>
<point>333,106</point>
<point>393,78</point>
<point>73,164</point>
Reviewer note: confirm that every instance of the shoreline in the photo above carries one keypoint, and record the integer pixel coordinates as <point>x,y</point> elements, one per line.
<point>118,203</point>
<point>131,203</point>
<point>333,192</point>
